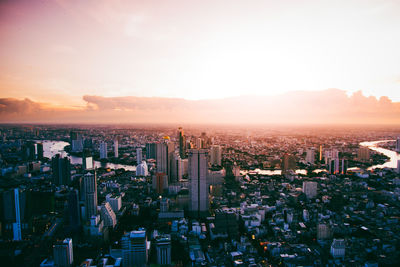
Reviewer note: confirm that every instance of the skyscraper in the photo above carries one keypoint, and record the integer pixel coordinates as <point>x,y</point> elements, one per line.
<point>90,191</point>
<point>310,189</point>
<point>182,143</point>
<point>134,249</point>
<point>63,253</point>
<point>61,170</point>
<point>160,182</point>
<point>151,151</point>
<point>142,169</point>
<point>198,181</point>
<point>176,168</point>
<point>74,216</point>
<point>116,148</point>
<point>288,163</point>
<point>107,215</point>
<point>115,202</point>
<point>17,224</point>
<point>216,154</point>
<point>138,155</point>
<point>310,156</point>
<point>103,150</point>
<point>398,144</point>
<point>363,154</point>
<point>162,157</point>
<point>163,247</point>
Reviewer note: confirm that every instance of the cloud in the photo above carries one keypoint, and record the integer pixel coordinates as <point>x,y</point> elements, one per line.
<point>332,106</point>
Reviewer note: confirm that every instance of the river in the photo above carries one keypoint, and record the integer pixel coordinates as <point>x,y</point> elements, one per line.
<point>393,155</point>
<point>51,148</point>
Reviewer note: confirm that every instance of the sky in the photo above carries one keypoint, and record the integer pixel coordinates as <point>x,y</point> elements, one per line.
<point>56,52</point>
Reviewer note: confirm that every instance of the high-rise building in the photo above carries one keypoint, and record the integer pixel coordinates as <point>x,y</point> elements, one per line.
<point>142,169</point>
<point>39,151</point>
<point>198,181</point>
<point>87,160</point>
<point>338,248</point>
<point>398,166</point>
<point>107,215</point>
<point>116,148</point>
<point>216,155</point>
<point>323,231</point>
<point>90,191</point>
<point>162,157</point>
<point>310,156</point>
<point>320,153</point>
<point>182,143</point>
<point>63,253</point>
<point>151,150</point>
<point>138,155</point>
<point>334,165</point>
<point>103,150</point>
<point>160,182</point>
<point>74,217</point>
<point>363,154</point>
<point>163,247</point>
<point>17,225</point>
<point>61,170</point>
<point>288,163</point>
<point>134,249</point>
<point>398,144</point>
<point>310,189</point>
<point>176,168</point>
<point>115,202</point>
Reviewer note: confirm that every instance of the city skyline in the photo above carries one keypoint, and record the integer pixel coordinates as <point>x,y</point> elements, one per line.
<point>65,56</point>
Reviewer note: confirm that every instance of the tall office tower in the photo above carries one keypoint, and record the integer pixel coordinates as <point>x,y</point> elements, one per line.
<point>115,202</point>
<point>198,181</point>
<point>142,169</point>
<point>343,166</point>
<point>334,166</point>
<point>17,224</point>
<point>162,157</point>
<point>398,144</point>
<point>320,153</point>
<point>139,155</point>
<point>151,150</point>
<point>28,151</point>
<point>182,143</point>
<point>87,160</point>
<point>205,139</point>
<point>63,253</point>
<point>398,166</point>
<point>90,190</point>
<point>216,155</point>
<point>160,182</point>
<point>61,170</point>
<point>76,140</point>
<point>288,163</point>
<point>39,151</point>
<point>310,189</point>
<point>116,148</point>
<point>107,215</point>
<point>103,150</point>
<point>73,210</point>
<point>310,157</point>
<point>163,247</point>
<point>338,248</point>
<point>134,249</point>
<point>199,143</point>
<point>323,231</point>
<point>331,154</point>
<point>176,168</point>
<point>363,154</point>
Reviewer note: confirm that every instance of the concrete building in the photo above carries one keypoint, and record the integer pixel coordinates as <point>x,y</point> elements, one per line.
<point>198,181</point>
<point>363,154</point>
<point>63,253</point>
<point>115,202</point>
<point>310,189</point>
<point>323,231</point>
<point>116,154</point>
<point>310,156</point>
<point>107,215</point>
<point>215,155</point>
<point>134,249</point>
<point>338,248</point>
<point>103,150</point>
<point>142,169</point>
<point>163,248</point>
<point>90,193</point>
<point>139,157</point>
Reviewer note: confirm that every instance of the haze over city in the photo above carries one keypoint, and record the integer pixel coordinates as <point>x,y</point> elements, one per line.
<point>261,61</point>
